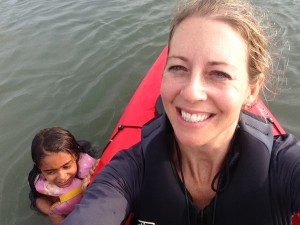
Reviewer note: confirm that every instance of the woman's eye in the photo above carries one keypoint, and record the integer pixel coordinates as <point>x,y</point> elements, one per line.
<point>220,74</point>
<point>177,68</point>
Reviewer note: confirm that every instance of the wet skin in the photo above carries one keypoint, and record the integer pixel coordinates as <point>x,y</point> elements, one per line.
<point>59,168</point>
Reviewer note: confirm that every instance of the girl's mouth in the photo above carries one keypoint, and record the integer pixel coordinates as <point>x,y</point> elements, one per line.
<point>65,183</point>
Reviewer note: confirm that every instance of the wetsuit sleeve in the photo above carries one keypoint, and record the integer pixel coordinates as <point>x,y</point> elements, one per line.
<point>110,198</point>
<point>287,167</point>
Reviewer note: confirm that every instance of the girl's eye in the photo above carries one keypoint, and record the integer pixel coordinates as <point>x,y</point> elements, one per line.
<point>67,166</point>
<point>49,172</point>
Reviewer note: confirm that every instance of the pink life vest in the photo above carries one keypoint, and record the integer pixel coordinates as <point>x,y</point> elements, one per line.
<point>68,196</point>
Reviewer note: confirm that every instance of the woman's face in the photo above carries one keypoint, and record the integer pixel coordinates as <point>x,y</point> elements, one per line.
<point>205,82</point>
<point>59,168</point>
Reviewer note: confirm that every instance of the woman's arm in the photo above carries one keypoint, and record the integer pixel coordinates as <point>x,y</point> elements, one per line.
<point>111,196</point>
<point>285,172</point>
<point>86,181</point>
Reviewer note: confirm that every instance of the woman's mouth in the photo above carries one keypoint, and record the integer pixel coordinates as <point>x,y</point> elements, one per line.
<point>194,117</point>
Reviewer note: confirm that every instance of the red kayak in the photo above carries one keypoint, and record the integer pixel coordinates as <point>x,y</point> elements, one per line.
<point>142,108</point>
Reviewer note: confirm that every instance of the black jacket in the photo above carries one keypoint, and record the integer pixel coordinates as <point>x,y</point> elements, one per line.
<point>259,184</point>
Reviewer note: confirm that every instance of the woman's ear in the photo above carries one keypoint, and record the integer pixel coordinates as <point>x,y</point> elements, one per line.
<point>254,92</point>
<point>255,88</point>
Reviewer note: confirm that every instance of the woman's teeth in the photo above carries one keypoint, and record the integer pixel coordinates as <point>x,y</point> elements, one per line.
<point>193,118</point>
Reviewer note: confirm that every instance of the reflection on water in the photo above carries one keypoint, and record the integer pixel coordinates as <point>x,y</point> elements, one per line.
<point>77,63</point>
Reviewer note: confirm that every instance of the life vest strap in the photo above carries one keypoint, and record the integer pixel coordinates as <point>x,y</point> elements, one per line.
<point>67,196</point>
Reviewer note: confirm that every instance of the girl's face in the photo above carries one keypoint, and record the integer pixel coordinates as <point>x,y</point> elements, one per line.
<point>59,168</point>
<point>205,82</point>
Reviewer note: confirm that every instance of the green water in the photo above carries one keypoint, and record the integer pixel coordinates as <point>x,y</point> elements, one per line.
<point>77,63</point>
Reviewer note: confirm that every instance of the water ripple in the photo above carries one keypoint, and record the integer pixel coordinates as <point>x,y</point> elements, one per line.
<point>77,63</point>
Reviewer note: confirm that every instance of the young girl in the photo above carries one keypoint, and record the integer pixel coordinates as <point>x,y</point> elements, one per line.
<point>62,170</point>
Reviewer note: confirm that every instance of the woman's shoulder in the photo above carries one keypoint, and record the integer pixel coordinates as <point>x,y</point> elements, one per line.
<point>123,174</point>
<point>285,169</point>
<point>286,150</point>
<point>129,157</point>
<point>286,142</point>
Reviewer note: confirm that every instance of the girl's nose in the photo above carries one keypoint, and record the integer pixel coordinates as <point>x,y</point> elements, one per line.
<point>195,89</point>
<point>62,175</point>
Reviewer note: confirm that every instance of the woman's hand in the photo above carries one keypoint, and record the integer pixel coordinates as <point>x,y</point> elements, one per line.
<point>86,181</point>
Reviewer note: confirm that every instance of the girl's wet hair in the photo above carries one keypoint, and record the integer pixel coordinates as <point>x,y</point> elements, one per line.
<point>53,140</point>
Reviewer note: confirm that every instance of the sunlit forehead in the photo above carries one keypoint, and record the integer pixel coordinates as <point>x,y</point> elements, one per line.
<point>208,42</point>
<point>50,167</point>
<point>55,161</point>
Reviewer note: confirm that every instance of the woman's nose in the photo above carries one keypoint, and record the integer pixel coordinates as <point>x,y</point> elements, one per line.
<point>195,89</point>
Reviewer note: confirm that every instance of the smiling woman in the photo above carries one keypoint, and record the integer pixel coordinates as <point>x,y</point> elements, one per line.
<point>204,95</point>
<point>206,160</point>
<point>206,78</point>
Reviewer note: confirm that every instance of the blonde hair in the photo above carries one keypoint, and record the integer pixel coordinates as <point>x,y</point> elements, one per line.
<point>240,15</point>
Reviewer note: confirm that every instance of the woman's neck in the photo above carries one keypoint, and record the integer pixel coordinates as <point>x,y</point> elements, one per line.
<point>197,168</point>
<point>206,159</point>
